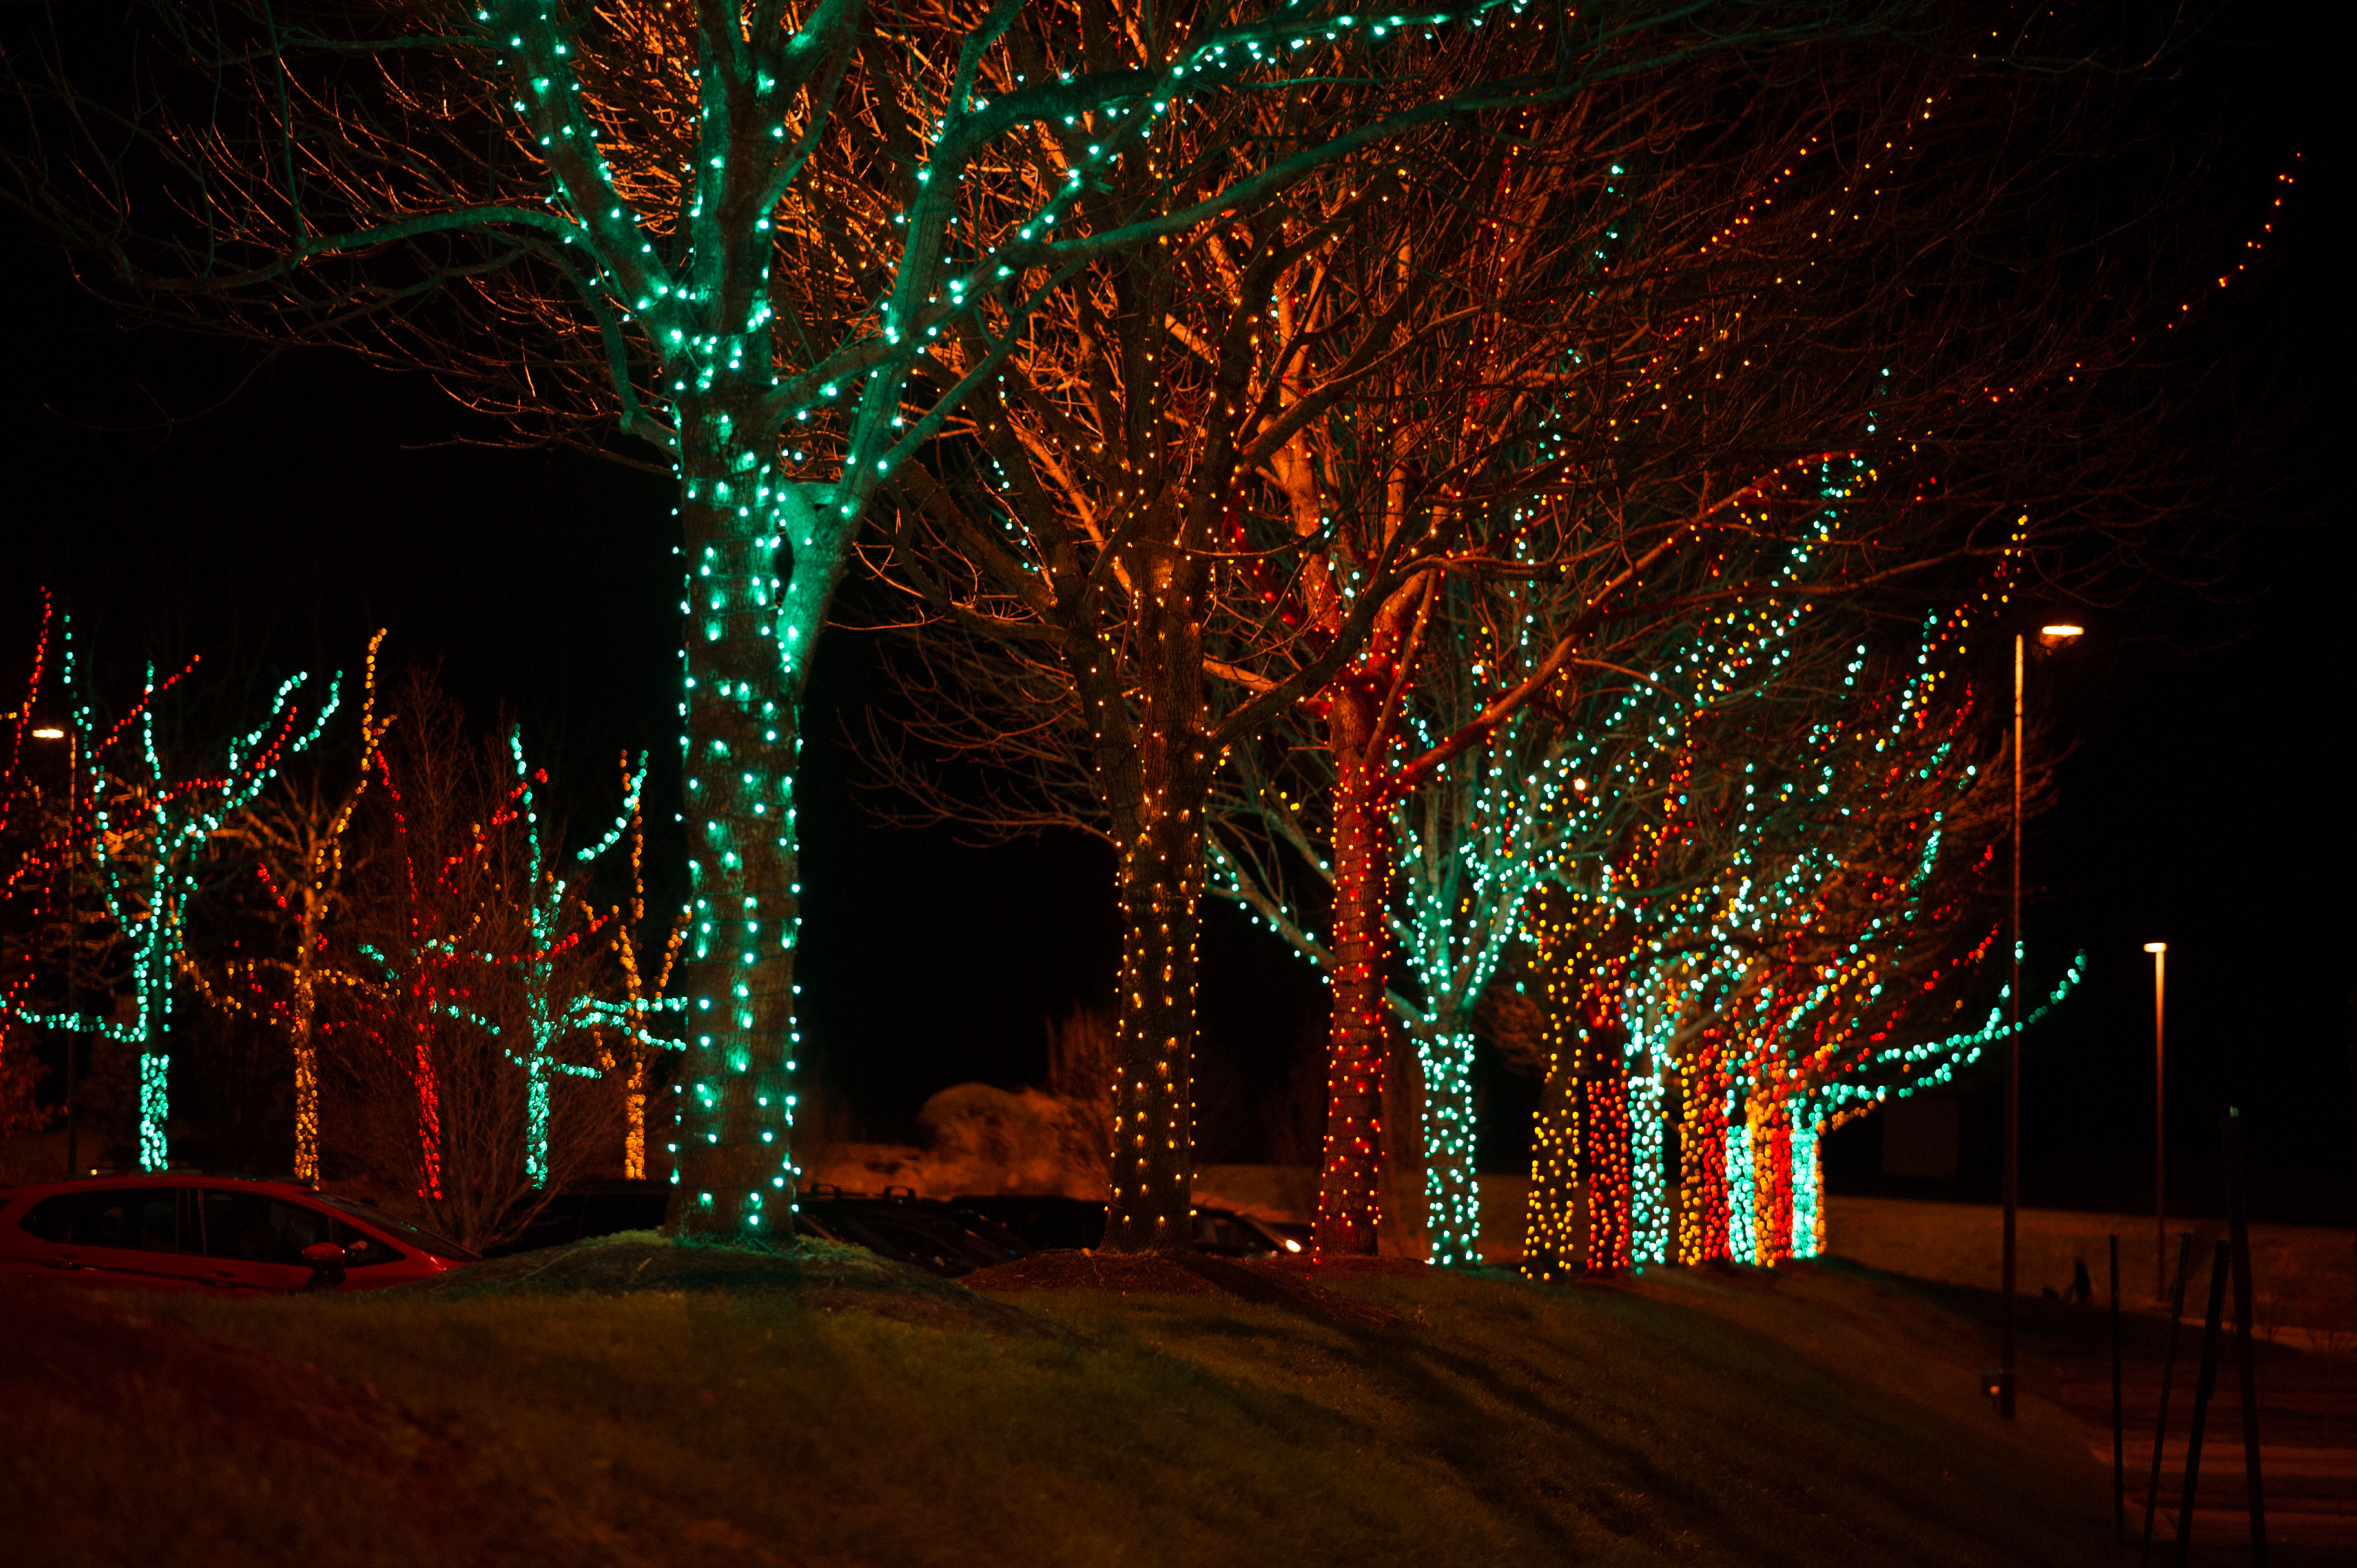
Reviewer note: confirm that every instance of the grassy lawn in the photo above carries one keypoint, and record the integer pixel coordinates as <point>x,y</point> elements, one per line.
<point>638,1402</point>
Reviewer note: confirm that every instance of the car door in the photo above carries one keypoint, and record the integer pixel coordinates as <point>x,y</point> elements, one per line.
<point>117,1238</point>
<point>254,1242</point>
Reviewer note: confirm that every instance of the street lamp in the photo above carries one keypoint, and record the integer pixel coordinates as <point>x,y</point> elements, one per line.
<point>2052,636</point>
<point>2159,951</point>
<point>73,933</point>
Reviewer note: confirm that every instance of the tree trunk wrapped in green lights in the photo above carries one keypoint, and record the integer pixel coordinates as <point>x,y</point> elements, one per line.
<point>761,566</point>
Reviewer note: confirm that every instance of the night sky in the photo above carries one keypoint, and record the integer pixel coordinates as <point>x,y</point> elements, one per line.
<point>181,494</point>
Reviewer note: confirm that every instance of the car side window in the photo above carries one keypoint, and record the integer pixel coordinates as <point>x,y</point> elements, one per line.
<point>51,1218</point>
<point>253,1229</point>
<point>360,1249</point>
<point>1219,1230</point>
<point>130,1219</point>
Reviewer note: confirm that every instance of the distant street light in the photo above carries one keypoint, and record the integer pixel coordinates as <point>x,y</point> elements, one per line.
<point>2159,951</point>
<point>49,734</point>
<point>2054,636</point>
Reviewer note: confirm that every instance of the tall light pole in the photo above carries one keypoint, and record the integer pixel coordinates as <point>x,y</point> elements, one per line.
<point>73,930</point>
<point>2050,636</point>
<point>2159,951</point>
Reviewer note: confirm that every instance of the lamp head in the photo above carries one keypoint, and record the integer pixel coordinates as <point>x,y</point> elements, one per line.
<point>2060,633</point>
<point>49,734</point>
<point>2156,947</point>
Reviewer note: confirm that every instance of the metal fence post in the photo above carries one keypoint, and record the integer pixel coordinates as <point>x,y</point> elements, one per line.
<point>2167,1372</point>
<point>2221,1264</point>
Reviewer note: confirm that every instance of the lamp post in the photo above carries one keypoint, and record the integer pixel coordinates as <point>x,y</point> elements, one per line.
<point>2053,636</point>
<point>73,932</point>
<point>2159,951</point>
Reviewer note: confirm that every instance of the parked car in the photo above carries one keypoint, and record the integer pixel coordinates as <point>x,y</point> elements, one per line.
<point>1291,1236</point>
<point>220,1235</point>
<point>1228,1234</point>
<point>936,1237</point>
<point>1049,1222</point>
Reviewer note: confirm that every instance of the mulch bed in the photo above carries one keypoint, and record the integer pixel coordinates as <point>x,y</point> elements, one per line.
<point>1116,1274</point>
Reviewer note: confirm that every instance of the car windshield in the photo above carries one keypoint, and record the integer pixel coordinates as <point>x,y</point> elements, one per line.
<point>402,1229</point>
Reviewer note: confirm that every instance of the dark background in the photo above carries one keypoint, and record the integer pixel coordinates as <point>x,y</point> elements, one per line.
<point>182,495</point>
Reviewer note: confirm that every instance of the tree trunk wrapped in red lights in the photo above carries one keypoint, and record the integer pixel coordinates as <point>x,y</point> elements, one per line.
<point>1361,713</point>
<point>1702,1158</point>
<point>1770,1131</point>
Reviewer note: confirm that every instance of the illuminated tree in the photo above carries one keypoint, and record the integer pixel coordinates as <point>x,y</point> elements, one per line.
<point>474,1060</point>
<point>294,837</point>
<point>1736,354</point>
<point>642,1000</point>
<point>1109,519</point>
<point>783,246</point>
<point>1225,474</point>
<point>1469,841</point>
<point>1526,764</point>
<point>777,245</point>
<point>1850,994</point>
<point>150,835</point>
<point>31,851</point>
<point>1760,952</point>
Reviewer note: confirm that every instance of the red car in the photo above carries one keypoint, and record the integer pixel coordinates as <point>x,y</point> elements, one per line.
<point>221,1235</point>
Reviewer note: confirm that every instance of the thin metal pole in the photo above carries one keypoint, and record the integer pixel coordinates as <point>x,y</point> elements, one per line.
<point>2119,1419</point>
<point>2013,1065</point>
<point>2168,1374</point>
<point>2160,1124</point>
<point>2205,1384</point>
<point>2239,1233</point>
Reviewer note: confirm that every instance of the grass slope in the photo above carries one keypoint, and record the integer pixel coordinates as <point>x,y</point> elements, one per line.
<point>637,1402</point>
